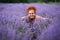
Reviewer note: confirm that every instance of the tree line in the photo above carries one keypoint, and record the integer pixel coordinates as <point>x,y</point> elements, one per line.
<point>27,1</point>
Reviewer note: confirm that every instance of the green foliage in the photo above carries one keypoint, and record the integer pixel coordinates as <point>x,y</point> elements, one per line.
<point>28,1</point>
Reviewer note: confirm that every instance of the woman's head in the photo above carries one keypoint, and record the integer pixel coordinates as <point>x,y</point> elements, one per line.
<point>31,10</point>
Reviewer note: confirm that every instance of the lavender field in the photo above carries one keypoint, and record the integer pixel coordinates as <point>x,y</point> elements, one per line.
<point>10,14</point>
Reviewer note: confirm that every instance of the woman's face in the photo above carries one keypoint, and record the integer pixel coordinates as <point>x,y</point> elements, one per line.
<point>31,14</point>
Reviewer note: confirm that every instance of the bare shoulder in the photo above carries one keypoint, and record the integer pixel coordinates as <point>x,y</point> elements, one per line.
<point>46,20</point>
<point>41,18</point>
<point>24,17</point>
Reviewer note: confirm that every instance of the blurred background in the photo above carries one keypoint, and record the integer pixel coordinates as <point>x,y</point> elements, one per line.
<point>12,10</point>
<point>29,1</point>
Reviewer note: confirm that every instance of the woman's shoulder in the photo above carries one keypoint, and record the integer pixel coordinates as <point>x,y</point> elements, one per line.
<point>41,18</point>
<point>23,18</point>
